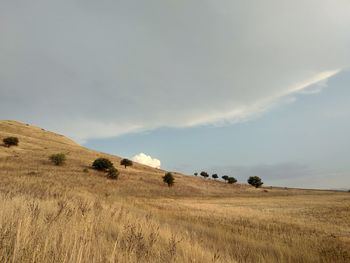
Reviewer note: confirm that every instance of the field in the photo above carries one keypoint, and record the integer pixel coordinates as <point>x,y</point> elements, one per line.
<point>75,214</point>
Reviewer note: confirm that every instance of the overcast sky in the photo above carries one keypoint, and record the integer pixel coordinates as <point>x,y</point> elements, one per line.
<point>110,73</point>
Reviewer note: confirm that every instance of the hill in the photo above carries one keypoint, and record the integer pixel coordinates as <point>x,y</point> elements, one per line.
<point>73,213</point>
<point>36,145</point>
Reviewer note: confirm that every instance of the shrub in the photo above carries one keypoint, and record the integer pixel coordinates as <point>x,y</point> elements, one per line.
<point>255,181</point>
<point>195,174</point>
<point>169,179</point>
<point>204,174</point>
<point>126,162</point>
<point>85,170</point>
<point>102,164</point>
<point>215,176</point>
<point>225,177</point>
<point>113,173</point>
<point>231,180</point>
<point>58,158</point>
<point>10,141</point>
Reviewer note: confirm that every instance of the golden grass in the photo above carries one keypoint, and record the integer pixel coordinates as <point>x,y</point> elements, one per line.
<point>63,214</point>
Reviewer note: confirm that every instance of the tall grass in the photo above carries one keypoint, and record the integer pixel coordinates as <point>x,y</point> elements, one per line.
<point>80,230</point>
<point>81,226</point>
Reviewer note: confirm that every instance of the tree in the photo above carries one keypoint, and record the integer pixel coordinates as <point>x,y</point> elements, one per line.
<point>255,181</point>
<point>112,173</point>
<point>231,180</point>
<point>225,177</point>
<point>126,162</point>
<point>195,174</point>
<point>10,141</point>
<point>215,176</point>
<point>58,158</point>
<point>204,174</point>
<point>102,164</point>
<point>169,179</point>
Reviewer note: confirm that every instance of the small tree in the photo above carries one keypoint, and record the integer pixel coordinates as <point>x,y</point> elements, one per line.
<point>215,176</point>
<point>255,181</point>
<point>112,173</point>
<point>225,177</point>
<point>169,179</point>
<point>58,158</point>
<point>195,174</point>
<point>204,174</point>
<point>102,164</point>
<point>10,141</point>
<point>126,162</point>
<point>232,180</point>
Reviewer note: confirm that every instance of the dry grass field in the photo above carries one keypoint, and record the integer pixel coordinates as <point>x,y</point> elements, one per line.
<point>72,213</point>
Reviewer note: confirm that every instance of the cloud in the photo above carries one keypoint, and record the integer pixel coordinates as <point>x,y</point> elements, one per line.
<point>93,70</point>
<point>287,174</point>
<point>146,160</point>
<point>280,171</point>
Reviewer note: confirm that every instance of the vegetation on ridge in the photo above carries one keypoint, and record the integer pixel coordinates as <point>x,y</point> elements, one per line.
<point>10,141</point>
<point>255,181</point>
<point>126,162</point>
<point>102,164</point>
<point>169,179</point>
<point>58,158</point>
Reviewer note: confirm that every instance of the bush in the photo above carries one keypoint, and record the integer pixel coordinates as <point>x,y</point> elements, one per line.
<point>169,179</point>
<point>102,164</point>
<point>195,174</point>
<point>10,141</point>
<point>58,158</point>
<point>215,176</point>
<point>255,181</point>
<point>126,162</point>
<point>113,173</point>
<point>231,180</point>
<point>225,177</point>
<point>204,174</point>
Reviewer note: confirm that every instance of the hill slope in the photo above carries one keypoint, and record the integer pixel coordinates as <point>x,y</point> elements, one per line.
<point>36,145</point>
<point>63,214</point>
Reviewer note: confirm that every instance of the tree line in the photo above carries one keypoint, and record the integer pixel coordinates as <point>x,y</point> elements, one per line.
<point>252,180</point>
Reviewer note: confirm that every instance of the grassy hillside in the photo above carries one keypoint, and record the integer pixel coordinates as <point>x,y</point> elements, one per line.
<point>65,214</point>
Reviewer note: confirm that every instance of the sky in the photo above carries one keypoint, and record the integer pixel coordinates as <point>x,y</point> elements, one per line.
<point>232,87</point>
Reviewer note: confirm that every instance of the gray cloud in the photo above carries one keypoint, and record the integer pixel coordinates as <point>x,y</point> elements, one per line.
<point>97,69</point>
<point>287,174</point>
